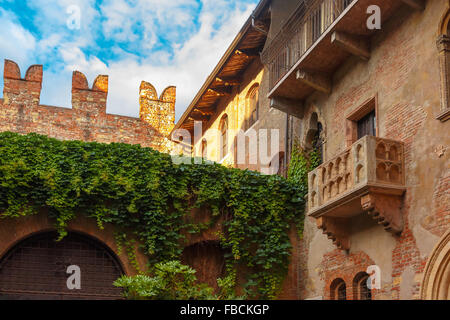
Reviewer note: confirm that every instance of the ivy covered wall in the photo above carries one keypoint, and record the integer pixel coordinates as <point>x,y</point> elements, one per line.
<point>149,199</point>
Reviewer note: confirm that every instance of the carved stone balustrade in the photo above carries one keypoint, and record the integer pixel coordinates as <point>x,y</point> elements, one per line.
<point>368,177</point>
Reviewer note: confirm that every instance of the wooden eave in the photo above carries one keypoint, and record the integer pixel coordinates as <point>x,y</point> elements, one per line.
<point>244,49</point>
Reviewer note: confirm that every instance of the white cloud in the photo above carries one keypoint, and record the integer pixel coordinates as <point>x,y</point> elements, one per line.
<point>16,43</point>
<point>186,63</point>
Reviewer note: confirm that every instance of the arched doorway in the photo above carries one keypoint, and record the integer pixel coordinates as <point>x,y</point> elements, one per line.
<point>37,268</point>
<point>436,279</point>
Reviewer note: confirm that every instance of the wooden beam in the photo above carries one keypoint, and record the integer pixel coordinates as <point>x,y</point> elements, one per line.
<point>197,116</point>
<point>415,4</point>
<point>355,45</point>
<point>316,80</point>
<point>206,111</point>
<point>290,106</point>
<point>248,54</point>
<point>219,92</point>
<point>228,82</point>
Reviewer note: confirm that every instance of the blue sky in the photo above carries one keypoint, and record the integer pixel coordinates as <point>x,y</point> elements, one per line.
<point>165,42</point>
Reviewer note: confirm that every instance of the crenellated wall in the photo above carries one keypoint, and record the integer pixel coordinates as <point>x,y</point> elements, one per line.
<point>21,111</point>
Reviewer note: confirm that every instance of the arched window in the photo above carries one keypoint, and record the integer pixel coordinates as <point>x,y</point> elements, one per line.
<point>252,108</point>
<point>338,290</point>
<point>443,43</point>
<point>223,136</point>
<point>361,290</point>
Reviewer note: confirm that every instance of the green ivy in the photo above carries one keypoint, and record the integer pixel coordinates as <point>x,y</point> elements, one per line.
<point>302,162</point>
<point>149,199</point>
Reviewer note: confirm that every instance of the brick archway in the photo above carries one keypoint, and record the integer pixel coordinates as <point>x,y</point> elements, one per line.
<point>39,267</point>
<point>14,230</point>
<point>436,280</point>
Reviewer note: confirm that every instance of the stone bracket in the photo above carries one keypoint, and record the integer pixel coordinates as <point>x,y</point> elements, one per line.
<point>337,229</point>
<point>316,80</point>
<point>290,106</point>
<point>355,45</point>
<point>385,209</point>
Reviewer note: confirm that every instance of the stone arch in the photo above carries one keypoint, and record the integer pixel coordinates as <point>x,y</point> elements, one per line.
<point>251,106</point>
<point>314,133</point>
<point>444,25</point>
<point>338,289</point>
<point>361,290</point>
<point>436,280</point>
<point>443,45</point>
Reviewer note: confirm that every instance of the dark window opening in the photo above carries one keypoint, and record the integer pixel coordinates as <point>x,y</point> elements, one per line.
<point>367,125</point>
<point>252,108</point>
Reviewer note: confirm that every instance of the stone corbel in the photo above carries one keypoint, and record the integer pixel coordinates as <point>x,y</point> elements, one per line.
<point>289,106</point>
<point>385,209</point>
<point>337,229</point>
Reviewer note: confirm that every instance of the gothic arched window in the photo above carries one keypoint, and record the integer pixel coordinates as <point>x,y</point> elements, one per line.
<point>361,289</point>
<point>223,136</point>
<point>252,108</point>
<point>338,290</point>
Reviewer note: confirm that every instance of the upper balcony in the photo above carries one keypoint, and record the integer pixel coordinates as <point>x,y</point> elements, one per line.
<point>367,177</point>
<point>316,39</point>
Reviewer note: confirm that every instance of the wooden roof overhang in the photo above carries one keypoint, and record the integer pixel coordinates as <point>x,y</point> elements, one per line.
<point>347,35</point>
<point>246,47</point>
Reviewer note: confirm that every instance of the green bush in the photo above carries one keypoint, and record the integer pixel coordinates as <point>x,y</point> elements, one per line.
<point>172,281</point>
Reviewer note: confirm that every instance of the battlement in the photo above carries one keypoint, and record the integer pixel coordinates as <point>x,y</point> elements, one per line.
<point>20,110</point>
<point>22,90</point>
<point>89,100</point>
<point>159,112</point>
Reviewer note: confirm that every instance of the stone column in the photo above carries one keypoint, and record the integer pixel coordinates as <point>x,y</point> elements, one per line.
<point>443,44</point>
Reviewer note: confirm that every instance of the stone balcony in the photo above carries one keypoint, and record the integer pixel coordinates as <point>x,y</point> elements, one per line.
<point>368,177</point>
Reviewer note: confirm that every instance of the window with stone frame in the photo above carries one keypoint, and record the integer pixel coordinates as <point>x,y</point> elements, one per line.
<point>362,121</point>
<point>223,136</point>
<point>252,110</point>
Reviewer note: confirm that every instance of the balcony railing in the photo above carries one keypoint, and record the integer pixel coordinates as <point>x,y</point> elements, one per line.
<point>371,164</point>
<point>311,19</point>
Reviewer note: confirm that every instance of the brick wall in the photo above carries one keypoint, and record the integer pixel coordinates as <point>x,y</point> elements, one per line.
<point>20,111</point>
<point>403,75</point>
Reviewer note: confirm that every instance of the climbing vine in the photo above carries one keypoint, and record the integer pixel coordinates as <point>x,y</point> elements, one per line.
<point>302,162</point>
<point>149,200</point>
